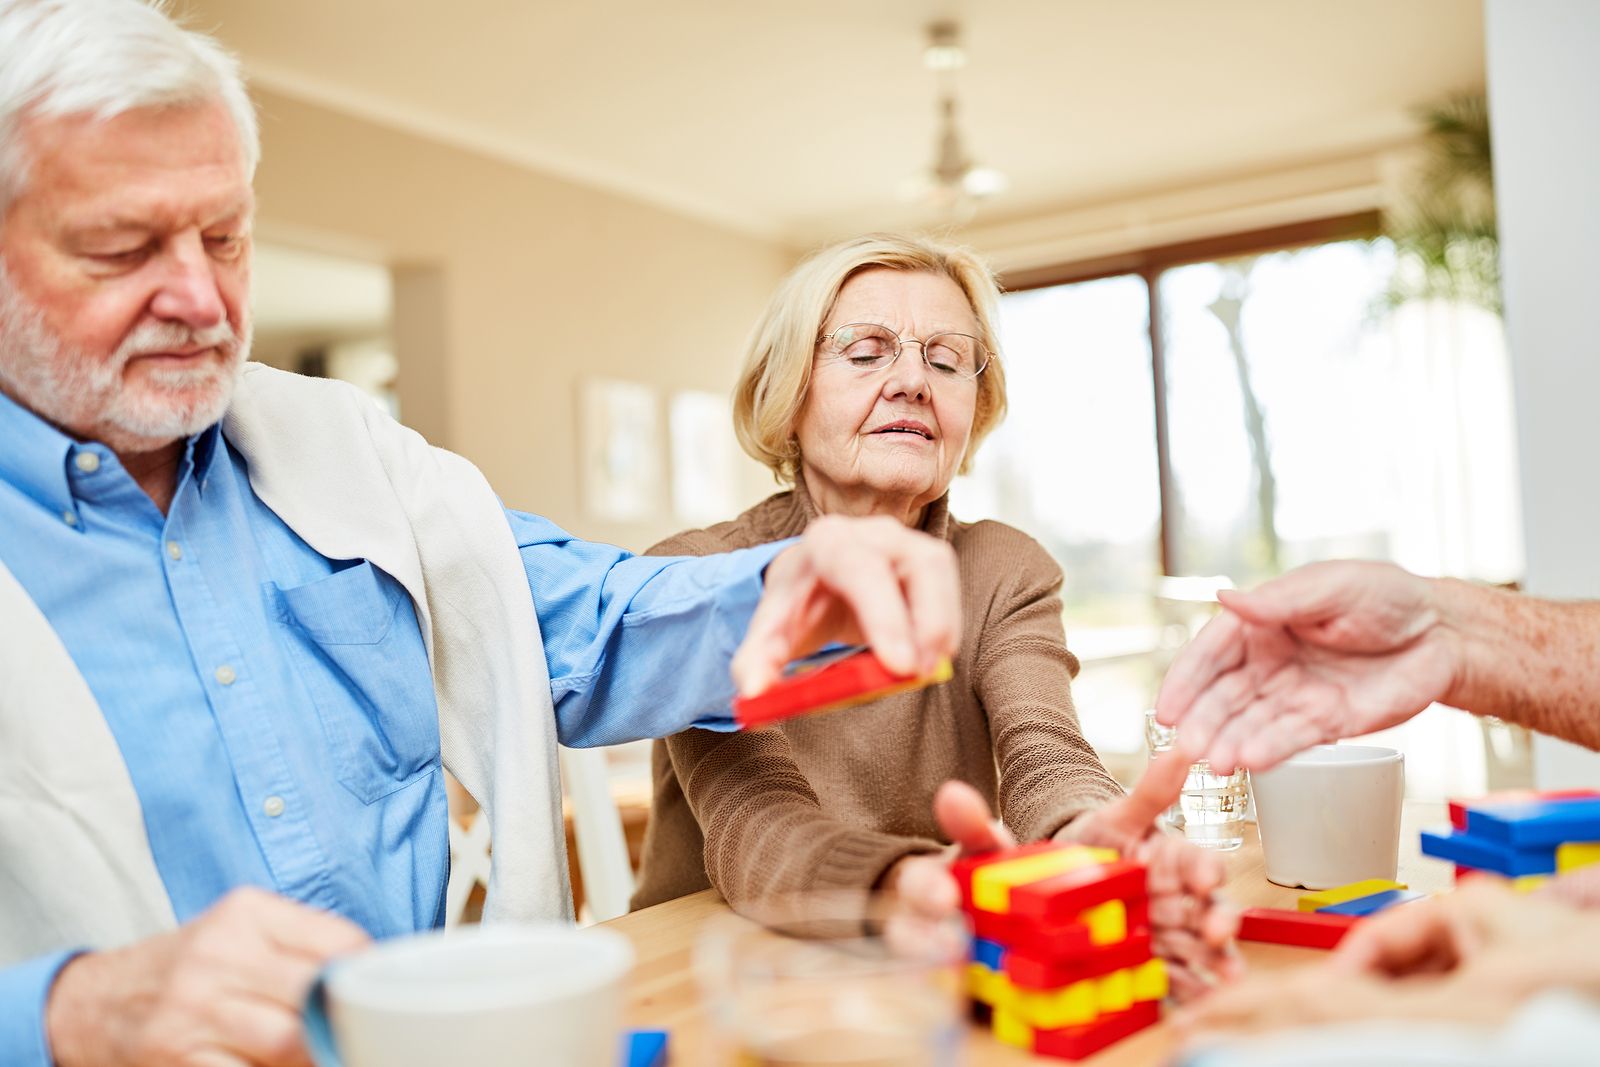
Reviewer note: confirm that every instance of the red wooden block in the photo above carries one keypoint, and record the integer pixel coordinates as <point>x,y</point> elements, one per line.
<point>1059,898</point>
<point>1315,929</point>
<point>1080,1042</point>
<point>1028,970</point>
<point>858,677</point>
<point>1060,942</point>
<point>964,867</point>
<point>1459,806</point>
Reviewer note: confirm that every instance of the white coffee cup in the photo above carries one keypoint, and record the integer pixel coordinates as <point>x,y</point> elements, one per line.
<point>492,996</point>
<point>1331,815</point>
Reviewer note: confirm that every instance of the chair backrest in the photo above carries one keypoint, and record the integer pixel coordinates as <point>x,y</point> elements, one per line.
<point>597,825</point>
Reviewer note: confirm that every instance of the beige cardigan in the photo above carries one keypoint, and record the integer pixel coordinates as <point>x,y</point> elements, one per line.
<point>831,802</point>
<point>75,864</point>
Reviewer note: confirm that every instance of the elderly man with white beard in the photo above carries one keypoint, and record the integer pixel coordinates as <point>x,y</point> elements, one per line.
<point>246,620</point>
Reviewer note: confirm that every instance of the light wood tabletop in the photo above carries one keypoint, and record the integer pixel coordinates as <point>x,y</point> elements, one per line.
<point>662,994</point>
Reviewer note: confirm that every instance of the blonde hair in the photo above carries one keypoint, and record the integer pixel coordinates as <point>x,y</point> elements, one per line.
<point>777,364</point>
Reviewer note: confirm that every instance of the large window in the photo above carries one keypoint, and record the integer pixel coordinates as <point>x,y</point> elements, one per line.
<point>1216,413</point>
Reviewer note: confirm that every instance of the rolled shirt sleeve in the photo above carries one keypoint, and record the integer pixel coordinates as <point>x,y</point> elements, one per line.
<point>637,646</point>
<point>24,989</point>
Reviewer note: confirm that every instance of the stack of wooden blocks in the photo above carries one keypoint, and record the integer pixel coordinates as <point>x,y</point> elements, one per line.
<point>1523,836</point>
<point>1061,963</point>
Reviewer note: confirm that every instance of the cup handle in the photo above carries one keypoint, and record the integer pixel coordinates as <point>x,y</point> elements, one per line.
<point>318,1033</point>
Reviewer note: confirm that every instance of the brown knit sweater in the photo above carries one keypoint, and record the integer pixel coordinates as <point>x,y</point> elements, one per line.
<point>831,801</point>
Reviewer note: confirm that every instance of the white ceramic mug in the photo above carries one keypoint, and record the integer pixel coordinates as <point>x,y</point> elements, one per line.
<point>492,996</point>
<point>1331,815</point>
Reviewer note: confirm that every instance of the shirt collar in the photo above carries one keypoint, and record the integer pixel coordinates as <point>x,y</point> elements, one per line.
<point>34,458</point>
<point>35,455</point>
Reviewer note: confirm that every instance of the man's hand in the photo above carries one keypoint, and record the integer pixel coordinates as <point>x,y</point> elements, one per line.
<point>859,581</point>
<point>1473,955</point>
<point>1326,651</point>
<point>1191,928</point>
<point>225,990</point>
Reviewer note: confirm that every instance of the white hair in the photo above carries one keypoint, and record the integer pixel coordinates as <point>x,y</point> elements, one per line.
<point>102,58</point>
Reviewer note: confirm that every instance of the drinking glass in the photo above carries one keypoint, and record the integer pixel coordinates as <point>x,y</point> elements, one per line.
<point>833,980</point>
<point>1210,810</point>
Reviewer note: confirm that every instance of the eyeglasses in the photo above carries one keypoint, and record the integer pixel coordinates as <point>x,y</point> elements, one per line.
<point>870,347</point>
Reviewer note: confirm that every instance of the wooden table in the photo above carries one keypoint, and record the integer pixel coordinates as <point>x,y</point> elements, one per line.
<point>662,993</point>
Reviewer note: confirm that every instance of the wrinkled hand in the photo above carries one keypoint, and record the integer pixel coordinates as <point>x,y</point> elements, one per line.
<point>1326,651</point>
<point>1471,956</point>
<point>1191,928</point>
<point>866,581</point>
<point>225,990</point>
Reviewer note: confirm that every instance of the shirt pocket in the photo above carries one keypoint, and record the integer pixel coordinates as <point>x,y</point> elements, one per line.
<point>355,642</point>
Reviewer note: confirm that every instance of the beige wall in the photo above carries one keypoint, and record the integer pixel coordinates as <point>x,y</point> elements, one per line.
<point>522,285</point>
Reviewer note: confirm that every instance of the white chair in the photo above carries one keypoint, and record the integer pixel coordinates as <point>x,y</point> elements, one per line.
<point>597,825</point>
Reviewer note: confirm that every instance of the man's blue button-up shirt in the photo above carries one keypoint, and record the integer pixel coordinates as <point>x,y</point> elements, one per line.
<point>275,708</point>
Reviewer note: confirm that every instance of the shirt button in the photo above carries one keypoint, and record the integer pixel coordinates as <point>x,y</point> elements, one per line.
<point>70,518</point>
<point>273,806</point>
<point>87,462</point>
<point>225,675</point>
<point>174,550</point>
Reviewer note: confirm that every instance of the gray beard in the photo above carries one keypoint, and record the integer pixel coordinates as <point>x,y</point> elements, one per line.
<point>88,397</point>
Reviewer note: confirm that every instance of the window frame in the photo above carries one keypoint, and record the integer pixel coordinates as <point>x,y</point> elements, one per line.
<point>1148,264</point>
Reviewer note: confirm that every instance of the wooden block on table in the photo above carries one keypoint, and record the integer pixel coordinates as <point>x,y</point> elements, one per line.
<point>1577,854</point>
<point>1027,969</point>
<point>1471,850</point>
<point>1280,926</point>
<point>1372,904</point>
<point>645,1048</point>
<point>1459,806</point>
<point>1538,823</point>
<point>1063,896</point>
<point>993,883</point>
<point>1150,981</point>
<point>1080,1042</point>
<point>1323,897</point>
<point>1072,1005</point>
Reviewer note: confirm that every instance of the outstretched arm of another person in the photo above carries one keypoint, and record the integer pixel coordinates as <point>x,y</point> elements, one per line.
<point>641,646</point>
<point>1332,650</point>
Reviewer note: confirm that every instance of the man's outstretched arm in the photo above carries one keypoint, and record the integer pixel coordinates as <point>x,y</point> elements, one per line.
<point>649,646</point>
<point>1332,650</point>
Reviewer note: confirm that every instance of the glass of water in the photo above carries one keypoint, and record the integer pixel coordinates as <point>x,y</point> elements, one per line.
<point>834,979</point>
<point>1210,811</point>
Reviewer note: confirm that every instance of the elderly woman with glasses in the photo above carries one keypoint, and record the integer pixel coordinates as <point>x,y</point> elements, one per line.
<point>869,383</point>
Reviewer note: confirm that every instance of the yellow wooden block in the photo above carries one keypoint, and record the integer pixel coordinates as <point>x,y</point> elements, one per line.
<point>1575,854</point>
<point>1114,992</point>
<point>1108,922</point>
<point>1010,1030</point>
<point>991,883</point>
<point>1150,981</point>
<point>1354,891</point>
<point>991,987</point>
<point>1073,1005</point>
<point>1529,882</point>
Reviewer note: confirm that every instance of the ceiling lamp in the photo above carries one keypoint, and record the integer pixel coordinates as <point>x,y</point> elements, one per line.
<point>953,180</point>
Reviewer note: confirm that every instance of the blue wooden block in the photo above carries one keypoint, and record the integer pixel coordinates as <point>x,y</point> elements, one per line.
<point>992,954</point>
<point>1470,850</point>
<point>644,1048</point>
<point>1370,905</point>
<point>1536,823</point>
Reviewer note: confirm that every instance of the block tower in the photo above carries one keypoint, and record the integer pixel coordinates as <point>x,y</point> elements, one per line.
<point>1061,962</point>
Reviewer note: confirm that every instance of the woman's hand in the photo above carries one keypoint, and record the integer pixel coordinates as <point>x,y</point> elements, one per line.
<point>1191,927</point>
<point>858,581</point>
